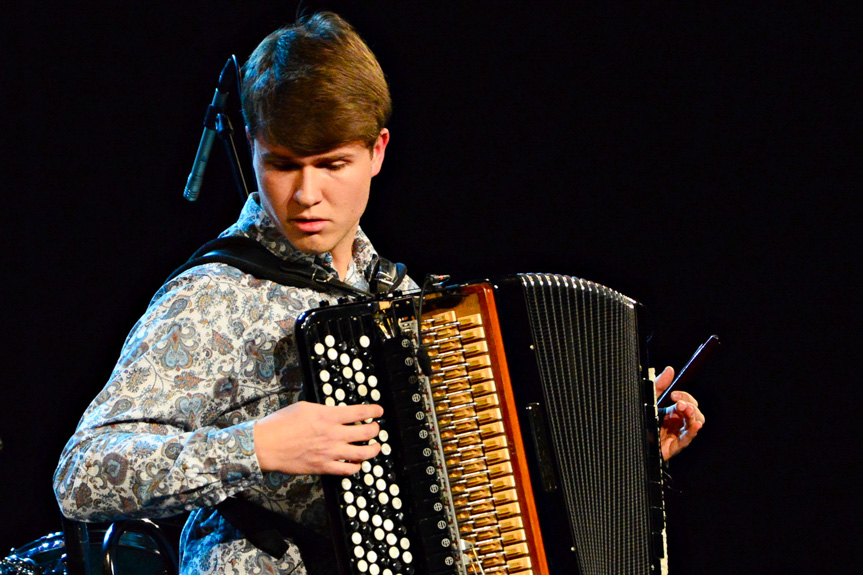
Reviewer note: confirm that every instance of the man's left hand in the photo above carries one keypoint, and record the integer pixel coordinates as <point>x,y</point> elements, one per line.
<point>681,421</point>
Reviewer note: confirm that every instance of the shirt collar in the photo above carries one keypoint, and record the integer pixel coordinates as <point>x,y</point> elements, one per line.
<point>254,223</point>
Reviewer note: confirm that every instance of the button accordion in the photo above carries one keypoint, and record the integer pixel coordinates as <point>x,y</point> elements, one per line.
<point>518,435</point>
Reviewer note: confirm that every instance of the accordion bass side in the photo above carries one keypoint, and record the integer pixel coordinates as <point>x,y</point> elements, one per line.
<point>518,435</point>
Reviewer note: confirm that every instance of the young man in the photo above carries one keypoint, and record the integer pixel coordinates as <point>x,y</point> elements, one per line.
<point>202,407</point>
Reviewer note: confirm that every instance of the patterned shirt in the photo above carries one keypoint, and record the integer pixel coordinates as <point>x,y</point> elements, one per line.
<point>172,431</point>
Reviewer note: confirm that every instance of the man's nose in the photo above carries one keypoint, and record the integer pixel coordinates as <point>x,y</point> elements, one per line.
<point>308,187</point>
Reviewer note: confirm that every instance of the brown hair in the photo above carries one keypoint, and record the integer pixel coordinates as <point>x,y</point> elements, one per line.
<point>314,86</point>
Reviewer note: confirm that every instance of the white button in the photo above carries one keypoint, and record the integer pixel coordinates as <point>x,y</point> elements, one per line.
<point>357,364</point>
<point>373,381</point>
<point>344,359</point>
<point>365,341</point>
<point>332,354</point>
<point>324,375</point>
<point>330,341</point>
<point>376,395</point>
<point>320,349</point>
<point>327,388</point>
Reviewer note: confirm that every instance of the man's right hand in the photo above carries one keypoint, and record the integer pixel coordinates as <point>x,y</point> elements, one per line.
<point>308,438</point>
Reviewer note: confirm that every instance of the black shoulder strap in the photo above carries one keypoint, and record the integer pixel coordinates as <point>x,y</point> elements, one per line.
<point>249,256</point>
<point>267,531</point>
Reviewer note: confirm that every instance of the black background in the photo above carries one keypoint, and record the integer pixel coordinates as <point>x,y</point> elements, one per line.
<point>702,159</point>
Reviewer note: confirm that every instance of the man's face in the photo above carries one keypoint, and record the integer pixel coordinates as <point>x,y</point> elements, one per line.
<point>316,201</point>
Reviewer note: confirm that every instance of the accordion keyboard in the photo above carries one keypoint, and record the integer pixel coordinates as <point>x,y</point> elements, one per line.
<point>392,516</point>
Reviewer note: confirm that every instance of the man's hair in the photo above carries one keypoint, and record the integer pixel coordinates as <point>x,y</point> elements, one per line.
<point>315,86</point>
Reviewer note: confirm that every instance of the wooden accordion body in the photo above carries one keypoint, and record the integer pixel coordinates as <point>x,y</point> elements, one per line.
<point>518,434</point>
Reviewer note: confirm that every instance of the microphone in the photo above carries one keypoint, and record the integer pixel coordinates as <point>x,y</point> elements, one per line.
<point>193,184</point>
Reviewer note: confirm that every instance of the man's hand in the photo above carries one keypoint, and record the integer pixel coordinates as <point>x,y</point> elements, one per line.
<point>307,438</point>
<point>680,421</point>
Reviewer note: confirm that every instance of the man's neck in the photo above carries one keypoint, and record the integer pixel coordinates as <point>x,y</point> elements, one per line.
<point>342,262</point>
<point>343,254</point>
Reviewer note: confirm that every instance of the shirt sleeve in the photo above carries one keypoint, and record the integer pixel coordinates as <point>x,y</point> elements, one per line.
<point>173,430</point>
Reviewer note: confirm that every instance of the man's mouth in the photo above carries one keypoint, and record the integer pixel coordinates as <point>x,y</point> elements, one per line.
<point>308,225</point>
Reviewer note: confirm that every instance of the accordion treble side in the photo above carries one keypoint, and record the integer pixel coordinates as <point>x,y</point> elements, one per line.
<point>518,435</point>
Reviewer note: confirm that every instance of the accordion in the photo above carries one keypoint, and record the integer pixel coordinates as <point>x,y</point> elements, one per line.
<point>519,435</point>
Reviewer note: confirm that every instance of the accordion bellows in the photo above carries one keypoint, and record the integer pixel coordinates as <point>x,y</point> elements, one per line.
<point>518,437</point>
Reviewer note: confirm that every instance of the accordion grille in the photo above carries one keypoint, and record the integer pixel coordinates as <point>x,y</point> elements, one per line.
<point>586,346</point>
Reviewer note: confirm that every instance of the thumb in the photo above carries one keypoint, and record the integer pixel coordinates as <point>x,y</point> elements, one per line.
<point>664,380</point>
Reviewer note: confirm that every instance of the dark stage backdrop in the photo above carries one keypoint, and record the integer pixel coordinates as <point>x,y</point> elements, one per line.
<point>703,160</point>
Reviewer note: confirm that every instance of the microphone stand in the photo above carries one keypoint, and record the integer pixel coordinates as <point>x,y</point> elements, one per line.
<point>225,131</point>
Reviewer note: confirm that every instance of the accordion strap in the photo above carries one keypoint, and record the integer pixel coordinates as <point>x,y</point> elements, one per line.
<point>250,257</point>
<point>267,531</point>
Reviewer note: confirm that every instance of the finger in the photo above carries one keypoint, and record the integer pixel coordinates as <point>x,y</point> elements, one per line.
<point>689,433</point>
<point>693,428</point>
<point>363,432</point>
<point>683,396</point>
<point>664,379</point>
<point>341,468</point>
<point>699,417</point>
<point>356,453</point>
<point>690,412</point>
<point>686,410</point>
<point>356,413</point>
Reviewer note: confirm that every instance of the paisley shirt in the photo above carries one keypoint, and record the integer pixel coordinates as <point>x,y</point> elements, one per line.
<point>172,431</point>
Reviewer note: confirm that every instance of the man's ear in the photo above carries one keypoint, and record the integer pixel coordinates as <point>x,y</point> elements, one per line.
<point>379,150</point>
<point>249,137</point>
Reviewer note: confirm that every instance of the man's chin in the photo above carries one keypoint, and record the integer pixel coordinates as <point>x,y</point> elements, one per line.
<point>310,244</point>
<point>311,250</point>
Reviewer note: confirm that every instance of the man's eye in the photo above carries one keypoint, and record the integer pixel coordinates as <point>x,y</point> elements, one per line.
<point>285,167</point>
<point>335,166</point>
